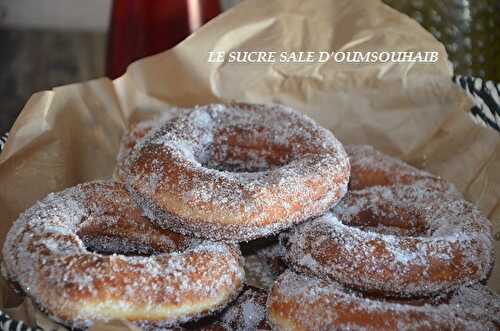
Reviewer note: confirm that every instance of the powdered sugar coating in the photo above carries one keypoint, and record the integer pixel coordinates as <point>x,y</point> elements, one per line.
<point>477,302</point>
<point>139,132</point>
<point>403,240</point>
<point>45,255</point>
<point>300,302</point>
<point>237,172</point>
<point>370,167</point>
<point>248,313</point>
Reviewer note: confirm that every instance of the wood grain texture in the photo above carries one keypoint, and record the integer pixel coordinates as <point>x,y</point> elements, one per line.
<point>33,60</point>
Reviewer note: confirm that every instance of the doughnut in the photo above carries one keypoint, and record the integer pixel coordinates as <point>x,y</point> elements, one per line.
<point>128,142</point>
<point>370,167</point>
<point>71,253</point>
<point>137,132</point>
<point>300,302</point>
<point>235,173</point>
<point>400,240</point>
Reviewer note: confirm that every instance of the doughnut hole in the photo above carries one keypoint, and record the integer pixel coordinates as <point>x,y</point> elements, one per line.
<point>416,301</point>
<point>247,150</point>
<point>363,178</point>
<point>115,234</point>
<point>382,216</point>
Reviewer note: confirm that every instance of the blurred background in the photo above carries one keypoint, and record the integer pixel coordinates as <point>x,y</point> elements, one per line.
<point>47,43</point>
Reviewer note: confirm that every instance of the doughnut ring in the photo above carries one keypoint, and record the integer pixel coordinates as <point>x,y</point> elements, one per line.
<point>138,132</point>
<point>235,173</point>
<point>370,167</point>
<point>401,240</point>
<point>128,142</point>
<point>166,279</point>
<point>300,302</point>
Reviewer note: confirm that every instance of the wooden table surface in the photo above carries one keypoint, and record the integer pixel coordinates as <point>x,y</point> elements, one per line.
<point>34,60</point>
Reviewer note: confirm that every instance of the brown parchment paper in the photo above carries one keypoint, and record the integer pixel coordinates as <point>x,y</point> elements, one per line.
<point>71,134</point>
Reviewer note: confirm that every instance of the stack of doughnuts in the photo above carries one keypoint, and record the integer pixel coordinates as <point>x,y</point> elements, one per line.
<point>239,217</point>
<point>401,251</point>
<point>236,173</point>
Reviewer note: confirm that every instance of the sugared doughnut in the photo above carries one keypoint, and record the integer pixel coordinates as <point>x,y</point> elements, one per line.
<point>128,142</point>
<point>370,167</point>
<point>402,240</point>
<point>237,172</point>
<point>299,302</point>
<point>138,131</point>
<point>163,279</point>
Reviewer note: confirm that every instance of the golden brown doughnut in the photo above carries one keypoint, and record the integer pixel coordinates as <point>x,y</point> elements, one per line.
<point>403,240</point>
<point>235,173</point>
<point>299,302</point>
<point>369,167</point>
<point>128,142</point>
<point>163,280</point>
<point>139,131</point>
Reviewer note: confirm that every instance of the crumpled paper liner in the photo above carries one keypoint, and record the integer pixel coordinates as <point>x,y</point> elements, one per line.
<point>413,111</point>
